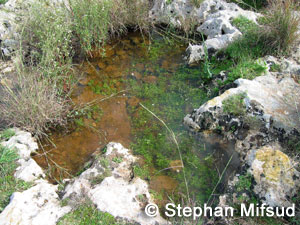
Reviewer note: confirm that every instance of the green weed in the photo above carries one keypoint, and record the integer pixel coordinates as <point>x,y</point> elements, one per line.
<point>244,183</point>
<point>173,95</point>
<point>8,183</point>
<point>235,105</point>
<point>6,134</point>
<point>3,1</point>
<point>156,195</point>
<point>117,159</point>
<point>91,22</point>
<point>87,213</point>
<point>106,87</point>
<point>142,172</point>
<point>275,68</point>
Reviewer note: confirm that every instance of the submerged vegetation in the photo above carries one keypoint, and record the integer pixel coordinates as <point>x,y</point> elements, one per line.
<point>173,94</point>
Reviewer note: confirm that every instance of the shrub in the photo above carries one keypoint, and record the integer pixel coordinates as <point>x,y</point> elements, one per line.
<point>35,104</point>
<point>47,31</point>
<point>91,22</point>
<point>6,134</point>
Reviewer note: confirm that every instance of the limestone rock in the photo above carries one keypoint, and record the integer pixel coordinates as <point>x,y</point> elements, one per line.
<point>28,170</point>
<point>35,206</point>
<point>25,144</point>
<point>276,179</point>
<point>272,102</point>
<point>213,19</point>
<point>109,185</point>
<point>8,33</point>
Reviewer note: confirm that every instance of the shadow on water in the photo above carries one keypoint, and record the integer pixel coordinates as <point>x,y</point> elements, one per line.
<point>134,71</point>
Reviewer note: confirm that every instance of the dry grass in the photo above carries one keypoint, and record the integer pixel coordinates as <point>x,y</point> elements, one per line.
<point>280,26</point>
<point>34,103</point>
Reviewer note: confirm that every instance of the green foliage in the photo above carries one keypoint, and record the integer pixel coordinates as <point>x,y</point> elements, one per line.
<point>247,69</point>
<point>104,163</point>
<point>142,172</point>
<point>275,68</point>
<point>3,1</point>
<point>155,50</point>
<point>156,195</point>
<point>6,134</point>
<point>87,213</point>
<point>8,183</point>
<point>91,21</point>
<point>235,105</point>
<point>90,112</point>
<point>240,57</point>
<point>79,122</point>
<point>117,159</point>
<point>207,65</point>
<point>243,24</point>
<point>49,32</point>
<point>244,183</point>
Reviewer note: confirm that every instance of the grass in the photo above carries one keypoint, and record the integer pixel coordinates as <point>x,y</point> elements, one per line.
<point>142,172</point>
<point>275,35</point>
<point>35,105</point>
<point>87,213</point>
<point>280,27</point>
<point>235,105</point>
<point>6,134</point>
<point>8,183</point>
